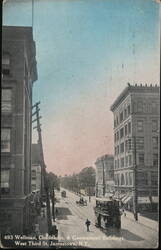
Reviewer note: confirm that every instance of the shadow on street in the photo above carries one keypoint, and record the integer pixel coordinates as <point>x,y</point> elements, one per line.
<point>62,213</point>
<point>126,234</point>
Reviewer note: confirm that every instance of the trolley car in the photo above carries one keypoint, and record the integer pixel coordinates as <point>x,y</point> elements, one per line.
<point>107,213</point>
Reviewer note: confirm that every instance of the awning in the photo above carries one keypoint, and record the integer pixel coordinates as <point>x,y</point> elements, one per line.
<point>124,198</point>
<point>155,199</point>
<point>143,200</point>
<point>127,199</point>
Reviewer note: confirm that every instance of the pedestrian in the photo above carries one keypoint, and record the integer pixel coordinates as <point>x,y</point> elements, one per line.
<point>56,211</point>
<point>124,213</point>
<point>87,224</point>
<point>37,231</point>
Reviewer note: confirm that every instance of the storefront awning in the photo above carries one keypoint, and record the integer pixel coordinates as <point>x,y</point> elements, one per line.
<point>155,199</point>
<point>124,198</point>
<point>127,199</point>
<point>143,200</point>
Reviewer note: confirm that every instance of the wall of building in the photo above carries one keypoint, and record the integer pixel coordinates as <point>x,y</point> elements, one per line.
<point>16,127</point>
<point>137,146</point>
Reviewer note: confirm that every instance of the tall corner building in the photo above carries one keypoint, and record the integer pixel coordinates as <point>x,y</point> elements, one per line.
<point>19,72</point>
<point>136,145</point>
<point>104,175</point>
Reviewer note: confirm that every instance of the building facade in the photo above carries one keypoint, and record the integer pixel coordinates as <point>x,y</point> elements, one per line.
<point>136,145</point>
<point>19,72</point>
<point>104,175</point>
<point>36,168</point>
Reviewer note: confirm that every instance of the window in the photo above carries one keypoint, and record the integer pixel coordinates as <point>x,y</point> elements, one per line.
<point>118,163</point>
<point>118,149</point>
<point>141,159</point>
<point>130,160</point>
<point>129,127</point>
<point>114,123</point>
<point>6,64</point>
<point>154,178</point>
<point>155,160</point>
<point>6,101</point>
<point>140,143</point>
<point>128,109</point>
<point>117,179</point>
<point>154,125</point>
<point>140,107</point>
<point>122,147</point>
<point>121,116</point>
<point>121,132</point>
<point>115,163</point>
<point>126,129</point>
<point>5,139</point>
<point>126,176</point>
<point>154,107</point>
<point>130,178</point>
<point>129,144</point>
<point>140,126</point>
<point>5,187</point>
<point>117,120</point>
<point>122,162</point>
<point>126,161</point>
<point>143,178</point>
<point>117,135</point>
<point>125,112</point>
<point>126,145</point>
<point>115,150</point>
<point>33,174</point>
<point>155,142</point>
<point>122,180</point>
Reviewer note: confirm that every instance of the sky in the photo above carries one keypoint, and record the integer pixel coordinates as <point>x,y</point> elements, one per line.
<point>86,51</point>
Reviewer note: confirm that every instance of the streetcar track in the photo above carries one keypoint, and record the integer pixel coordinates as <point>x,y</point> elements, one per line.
<point>82,217</point>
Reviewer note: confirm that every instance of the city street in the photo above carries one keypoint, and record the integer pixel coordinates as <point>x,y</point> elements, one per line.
<point>71,225</point>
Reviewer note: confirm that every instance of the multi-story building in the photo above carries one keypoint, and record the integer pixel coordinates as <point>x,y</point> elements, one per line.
<point>136,144</point>
<point>36,168</point>
<point>104,175</point>
<point>19,71</point>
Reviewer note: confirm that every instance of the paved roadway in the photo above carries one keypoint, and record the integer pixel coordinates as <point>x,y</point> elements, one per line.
<point>71,225</point>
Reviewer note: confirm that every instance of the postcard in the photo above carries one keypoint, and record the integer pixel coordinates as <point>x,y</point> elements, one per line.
<point>80,131</point>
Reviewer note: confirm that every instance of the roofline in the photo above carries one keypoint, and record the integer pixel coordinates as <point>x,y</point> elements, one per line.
<point>133,88</point>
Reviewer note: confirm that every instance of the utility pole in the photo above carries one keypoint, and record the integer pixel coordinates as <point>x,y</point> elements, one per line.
<point>135,193</point>
<point>53,202</point>
<point>42,163</point>
<point>103,175</point>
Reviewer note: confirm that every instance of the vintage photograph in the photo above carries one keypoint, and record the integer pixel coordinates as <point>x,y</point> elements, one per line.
<point>80,124</point>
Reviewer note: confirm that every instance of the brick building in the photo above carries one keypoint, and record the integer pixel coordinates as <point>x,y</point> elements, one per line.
<point>19,72</point>
<point>36,168</point>
<point>104,175</point>
<point>136,145</point>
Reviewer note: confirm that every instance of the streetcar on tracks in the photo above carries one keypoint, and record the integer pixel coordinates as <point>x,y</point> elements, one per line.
<point>107,213</point>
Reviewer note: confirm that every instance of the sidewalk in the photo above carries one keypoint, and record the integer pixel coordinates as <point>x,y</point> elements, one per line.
<point>143,220</point>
